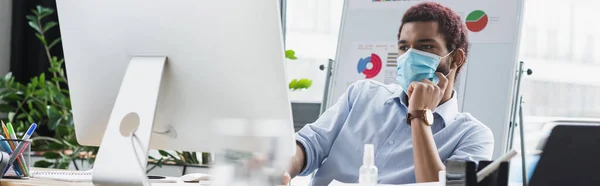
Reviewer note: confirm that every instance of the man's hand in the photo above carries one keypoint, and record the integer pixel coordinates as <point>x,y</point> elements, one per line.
<point>285,180</point>
<point>426,94</point>
<point>297,164</point>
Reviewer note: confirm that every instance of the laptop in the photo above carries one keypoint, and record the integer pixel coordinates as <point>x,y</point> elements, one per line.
<point>571,157</point>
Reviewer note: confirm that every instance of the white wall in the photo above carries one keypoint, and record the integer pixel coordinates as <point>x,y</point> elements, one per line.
<point>5,24</point>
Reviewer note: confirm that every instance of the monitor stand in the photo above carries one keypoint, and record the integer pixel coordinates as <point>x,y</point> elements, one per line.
<point>122,160</point>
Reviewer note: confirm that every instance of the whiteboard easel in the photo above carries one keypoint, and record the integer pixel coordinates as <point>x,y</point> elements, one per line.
<point>484,86</point>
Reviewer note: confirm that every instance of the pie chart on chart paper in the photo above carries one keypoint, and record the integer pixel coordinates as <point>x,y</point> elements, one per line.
<point>476,21</point>
<point>369,66</point>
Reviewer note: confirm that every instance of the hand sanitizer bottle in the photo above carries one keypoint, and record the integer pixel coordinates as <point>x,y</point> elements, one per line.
<point>368,171</point>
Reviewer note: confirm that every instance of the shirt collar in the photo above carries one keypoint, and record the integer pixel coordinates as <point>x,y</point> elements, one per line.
<point>447,110</point>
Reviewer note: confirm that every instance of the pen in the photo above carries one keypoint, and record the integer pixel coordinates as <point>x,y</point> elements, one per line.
<point>11,133</point>
<point>6,134</point>
<point>21,161</point>
<point>26,137</point>
<point>487,170</point>
<point>11,147</point>
<point>29,132</point>
<point>17,152</point>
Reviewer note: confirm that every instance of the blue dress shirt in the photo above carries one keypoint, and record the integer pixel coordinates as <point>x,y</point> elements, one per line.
<point>371,112</point>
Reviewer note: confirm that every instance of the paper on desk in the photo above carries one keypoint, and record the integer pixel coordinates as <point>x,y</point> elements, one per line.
<point>338,183</point>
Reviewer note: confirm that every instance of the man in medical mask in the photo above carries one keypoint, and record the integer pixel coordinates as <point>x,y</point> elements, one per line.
<point>414,126</point>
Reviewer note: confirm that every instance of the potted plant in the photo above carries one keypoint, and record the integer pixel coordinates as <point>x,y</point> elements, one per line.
<point>179,163</point>
<point>45,100</point>
<point>297,84</point>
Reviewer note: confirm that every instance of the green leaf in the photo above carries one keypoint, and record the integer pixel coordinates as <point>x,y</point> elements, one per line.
<point>56,146</point>
<point>69,144</point>
<point>64,164</point>
<point>206,158</point>
<point>22,116</point>
<point>43,164</point>
<point>30,104</point>
<point>49,25</point>
<point>290,54</point>
<point>38,9</point>
<point>195,158</point>
<point>43,77</point>
<point>54,61</point>
<point>42,81</point>
<point>54,118</point>
<point>160,162</point>
<point>303,83</point>
<point>75,153</point>
<point>8,76</point>
<point>30,119</point>
<point>52,155</point>
<point>35,12</point>
<point>62,130</point>
<point>31,18</point>
<point>11,116</point>
<point>34,83</point>
<point>292,84</point>
<point>35,113</point>
<point>70,120</point>
<point>163,153</point>
<point>41,38</point>
<point>41,93</point>
<point>35,27</point>
<point>54,43</point>
<point>45,11</point>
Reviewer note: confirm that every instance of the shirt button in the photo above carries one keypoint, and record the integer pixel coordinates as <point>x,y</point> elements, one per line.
<point>391,142</point>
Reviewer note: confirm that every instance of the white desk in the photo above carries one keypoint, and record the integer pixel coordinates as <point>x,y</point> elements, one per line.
<point>298,181</point>
<point>44,182</point>
<point>40,182</point>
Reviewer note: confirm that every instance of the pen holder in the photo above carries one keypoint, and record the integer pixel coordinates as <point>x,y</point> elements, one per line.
<point>497,178</point>
<point>20,167</point>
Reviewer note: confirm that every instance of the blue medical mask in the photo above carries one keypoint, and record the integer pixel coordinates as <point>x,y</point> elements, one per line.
<point>416,65</point>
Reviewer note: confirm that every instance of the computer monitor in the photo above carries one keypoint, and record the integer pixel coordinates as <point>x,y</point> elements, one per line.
<point>195,75</point>
<point>569,157</point>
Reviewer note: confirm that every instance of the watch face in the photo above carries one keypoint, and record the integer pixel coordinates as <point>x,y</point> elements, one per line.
<point>429,116</point>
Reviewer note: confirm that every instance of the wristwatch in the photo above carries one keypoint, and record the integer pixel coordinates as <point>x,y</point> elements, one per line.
<point>425,114</point>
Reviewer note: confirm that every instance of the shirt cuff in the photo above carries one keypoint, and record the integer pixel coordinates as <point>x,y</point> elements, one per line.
<point>309,158</point>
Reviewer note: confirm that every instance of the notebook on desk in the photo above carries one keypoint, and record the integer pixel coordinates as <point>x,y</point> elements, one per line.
<point>71,176</point>
<point>77,176</point>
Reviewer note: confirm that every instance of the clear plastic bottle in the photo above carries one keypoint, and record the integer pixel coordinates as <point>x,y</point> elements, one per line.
<point>368,171</point>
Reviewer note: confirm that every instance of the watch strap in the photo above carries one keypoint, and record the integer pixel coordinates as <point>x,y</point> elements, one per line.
<point>417,114</point>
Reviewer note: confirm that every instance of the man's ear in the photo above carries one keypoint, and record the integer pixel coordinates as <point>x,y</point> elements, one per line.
<point>458,58</point>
